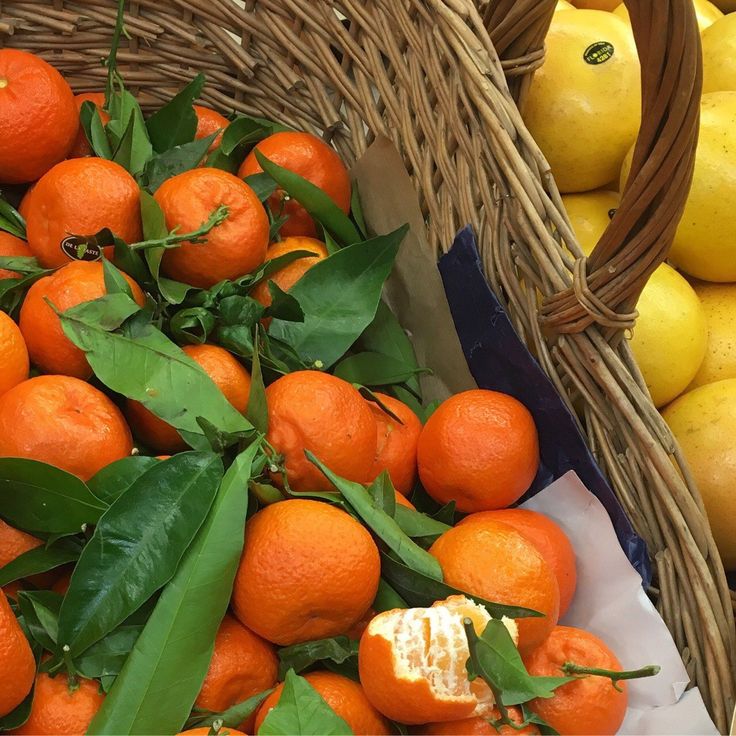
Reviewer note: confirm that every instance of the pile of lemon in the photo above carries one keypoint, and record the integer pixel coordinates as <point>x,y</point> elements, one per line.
<point>584,111</point>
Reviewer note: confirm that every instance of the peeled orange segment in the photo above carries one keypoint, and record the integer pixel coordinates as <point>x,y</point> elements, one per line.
<point>412,662</point>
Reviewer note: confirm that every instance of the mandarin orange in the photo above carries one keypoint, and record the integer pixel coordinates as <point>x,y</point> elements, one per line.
<point>412,662</point>
<point>81,145</point>
<point>344,696</point>
<point>15,365</point>
<point>209,121</point>
<point>235,247</point>
<point>396,450</point>
<point>227,374</point>
<point>480,726</point>
<point>60,708</point>
<point>308,571</point>
<point>287,276</point>
<point>49,348</point>
<point>480,449</point>
<point>38,117</point>
<point>242,665</point>
<point>312,159</point>
<point>309,410</point>
<point>588,705</point>
<point>65,422</point>
<point>551,542</point>
<point>81,196</point>
<point>12,246</point>
<point>17,664</point>
<point>494,561</point>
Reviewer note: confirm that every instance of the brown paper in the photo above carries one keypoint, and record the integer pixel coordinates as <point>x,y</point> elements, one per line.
<point>414,290</point>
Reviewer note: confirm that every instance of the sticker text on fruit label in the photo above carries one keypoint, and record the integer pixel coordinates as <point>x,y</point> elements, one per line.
<point>80,249</point>
<point>598,52</point>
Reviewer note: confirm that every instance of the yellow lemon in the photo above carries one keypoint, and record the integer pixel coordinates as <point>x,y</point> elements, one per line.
<point>719,305</point>
<point>595,4</point>
<point>705,241</point>
<point>719,55</point>
<point>669,339</point>
<point>706,13</point>
<point>590,213</point>
<point>670,335</point>
<point>704,423</point>
<point>583,107</point>
<point>564,5</point>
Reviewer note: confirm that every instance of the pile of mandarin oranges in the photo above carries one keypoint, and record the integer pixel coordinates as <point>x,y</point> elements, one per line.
<point>309,570</point>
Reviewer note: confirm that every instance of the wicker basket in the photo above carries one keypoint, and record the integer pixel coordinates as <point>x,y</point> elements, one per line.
<point>426,74</point>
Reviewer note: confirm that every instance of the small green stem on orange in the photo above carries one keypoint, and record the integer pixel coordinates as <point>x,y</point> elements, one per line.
<point>215,727</point>
<point>173,239</point>
<point>575,670</point>
<point>72,677</point>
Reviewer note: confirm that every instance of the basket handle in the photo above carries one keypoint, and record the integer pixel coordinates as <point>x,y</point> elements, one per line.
<point>517,29</point>
<point>607,285</point>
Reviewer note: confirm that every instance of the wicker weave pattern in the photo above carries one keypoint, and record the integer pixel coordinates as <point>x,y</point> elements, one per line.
<point>425,73</point>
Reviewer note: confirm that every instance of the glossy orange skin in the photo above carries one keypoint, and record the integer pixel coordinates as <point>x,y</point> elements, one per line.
<point>49,348</point>
<point>312,159</point>
<point>494,561</point>
<point>23,206</point>
<point>586,706</point>
<point>234,248</point>
<point>308,571</point>
<point>65,422</point>
<point>290,274</point>
<point>344,696</point>
<point>479,726</point>
<point>396,449</point>
<point>57,710</point>
<point>404,501</point>
<point>242,665</point>
<point>13,543</point>
<point>38,117</point>
<point>81,196</point>
<point>81,146</point>
<point>549,539</point>
<point>12,246</point>
<point>14,363</point>
<point>17,665</point>
<point>480,449</point>
<point>227,374</point>
<point>309,410</point>
<point>208,122</point>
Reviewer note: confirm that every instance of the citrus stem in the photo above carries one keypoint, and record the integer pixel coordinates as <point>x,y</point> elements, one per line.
<point>72,677</point>
<point>575,670</point>
<point>173,239</point>
<point>215,727</point>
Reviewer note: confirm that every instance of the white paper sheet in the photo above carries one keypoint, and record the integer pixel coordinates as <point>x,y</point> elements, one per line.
<point>610,603</point>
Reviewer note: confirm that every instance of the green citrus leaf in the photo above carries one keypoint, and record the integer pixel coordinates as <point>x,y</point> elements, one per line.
<point>42,498</point>
<point>161,678</point>
<point>339,297</point>
<point>137,546</point>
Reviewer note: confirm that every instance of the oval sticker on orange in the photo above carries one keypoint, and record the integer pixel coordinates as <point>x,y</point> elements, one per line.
<point>79,249</point>
<point>598,52</point>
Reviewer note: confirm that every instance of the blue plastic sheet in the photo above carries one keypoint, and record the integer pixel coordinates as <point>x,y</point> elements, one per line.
<point>500,361</point>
